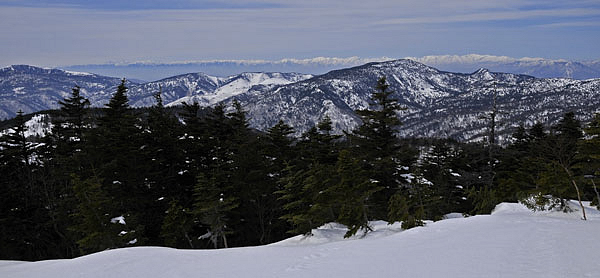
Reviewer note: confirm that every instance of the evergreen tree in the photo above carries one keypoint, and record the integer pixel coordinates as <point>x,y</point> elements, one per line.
<point>15,145</point>
<point>177,227</point>
<point>402,209</point>
<point>212,207</point>
<point>376,144</point>
<point>63,158</point>
<point>97,222</point>
<point>590,157</point>
<point>308,182</point>
<point>73,110</point>
<point>17,201</point>
<point>354,191</point>
<point>557,156</point>
<point>164,167</point>
<point>113,160</point>
<point>437,182</point>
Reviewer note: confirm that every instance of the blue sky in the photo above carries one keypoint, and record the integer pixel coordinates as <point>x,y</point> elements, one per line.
<point>66,32</point>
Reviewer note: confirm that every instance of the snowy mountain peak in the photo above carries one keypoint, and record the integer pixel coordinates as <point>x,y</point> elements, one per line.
<point>481,71</point>
<point>483,74</point>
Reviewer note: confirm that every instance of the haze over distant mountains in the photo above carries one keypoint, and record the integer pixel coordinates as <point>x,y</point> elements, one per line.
<point>538,67</point>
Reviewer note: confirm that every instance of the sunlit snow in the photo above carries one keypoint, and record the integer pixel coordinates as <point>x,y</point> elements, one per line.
<point>512,242</point>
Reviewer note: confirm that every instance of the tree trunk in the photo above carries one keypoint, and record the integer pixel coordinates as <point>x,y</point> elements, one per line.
<point>576,189</point>
<point>579,198</point>
<point>225,240</point>
<point>187,236</point>
<point>597,194</point>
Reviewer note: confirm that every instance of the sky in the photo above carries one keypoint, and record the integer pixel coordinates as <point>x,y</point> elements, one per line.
<point>68,32</point>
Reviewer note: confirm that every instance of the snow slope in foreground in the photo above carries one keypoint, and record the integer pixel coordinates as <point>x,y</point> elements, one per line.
<point>512,242</point>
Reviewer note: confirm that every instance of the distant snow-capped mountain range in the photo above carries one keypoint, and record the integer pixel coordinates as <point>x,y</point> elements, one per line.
<point>439,103</point>
<point>538,67</point>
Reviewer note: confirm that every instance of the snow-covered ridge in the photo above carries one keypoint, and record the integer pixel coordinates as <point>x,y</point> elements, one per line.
<point>205,89</point>
<point>512,242</point>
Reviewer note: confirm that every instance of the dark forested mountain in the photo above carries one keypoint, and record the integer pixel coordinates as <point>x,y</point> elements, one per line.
<point>439,104</point>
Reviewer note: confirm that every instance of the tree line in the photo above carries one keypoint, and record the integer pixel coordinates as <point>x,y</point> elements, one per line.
<point>198,177</point>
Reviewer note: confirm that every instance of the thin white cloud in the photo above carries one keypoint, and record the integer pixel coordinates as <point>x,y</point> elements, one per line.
<point>491,16</point>
<point>570,24</point>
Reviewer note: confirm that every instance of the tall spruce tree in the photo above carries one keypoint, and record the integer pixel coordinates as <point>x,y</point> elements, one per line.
<point>164,168</point>
<point>113,160</point>
<point>308,181</point>
<point>376,144</point>
<point>213,206</point>
<point>63,158</point>
<point>354,191</point>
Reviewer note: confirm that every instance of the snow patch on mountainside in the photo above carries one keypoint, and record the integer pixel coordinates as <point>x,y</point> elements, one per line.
<point>235,85</point>
<point>39,125</point>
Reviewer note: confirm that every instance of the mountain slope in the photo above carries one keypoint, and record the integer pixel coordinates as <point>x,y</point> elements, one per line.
<point>538,67</point>
<point>234,85</point>
<point>439,104</point>
<point>32,89</point>
<point>512,242</point>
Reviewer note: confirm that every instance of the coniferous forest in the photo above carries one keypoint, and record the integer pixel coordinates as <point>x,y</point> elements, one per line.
<point>195,177</point>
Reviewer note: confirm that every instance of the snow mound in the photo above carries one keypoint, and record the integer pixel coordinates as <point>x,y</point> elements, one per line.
<point>332,232</point>
<point>592,213</point>
<point>454,215</point>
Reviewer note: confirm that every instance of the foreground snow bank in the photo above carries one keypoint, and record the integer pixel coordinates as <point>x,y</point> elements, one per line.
<point>512,242</point>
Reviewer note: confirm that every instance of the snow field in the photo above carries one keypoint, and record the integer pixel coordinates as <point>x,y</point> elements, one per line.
<point>512,242</point>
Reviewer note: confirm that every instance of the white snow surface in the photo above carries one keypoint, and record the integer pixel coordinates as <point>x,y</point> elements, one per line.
<point>38,125</point>
<point>239,84</point>
<point>512,242</point>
